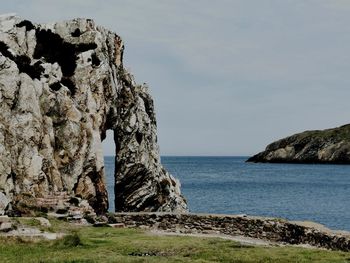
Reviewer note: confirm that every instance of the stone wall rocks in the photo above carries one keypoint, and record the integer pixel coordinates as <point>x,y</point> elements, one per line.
<point>270,229</point>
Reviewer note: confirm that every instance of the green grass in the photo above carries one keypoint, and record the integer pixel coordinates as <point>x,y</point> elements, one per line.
<point>339,133</point>
<point>88,244</point>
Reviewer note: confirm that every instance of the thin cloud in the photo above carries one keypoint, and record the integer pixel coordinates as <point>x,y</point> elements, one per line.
<point>335,4</point>
<point>229,76</point>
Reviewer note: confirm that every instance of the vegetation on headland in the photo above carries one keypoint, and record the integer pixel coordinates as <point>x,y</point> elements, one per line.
<point>330,146</point>
<point>106,244</point>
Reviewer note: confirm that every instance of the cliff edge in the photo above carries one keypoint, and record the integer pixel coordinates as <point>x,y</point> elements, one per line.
<point>62,86</point>
<point>322,146</point>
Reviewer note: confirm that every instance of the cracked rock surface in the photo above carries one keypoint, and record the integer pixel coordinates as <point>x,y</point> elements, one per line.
<point>62,86</point>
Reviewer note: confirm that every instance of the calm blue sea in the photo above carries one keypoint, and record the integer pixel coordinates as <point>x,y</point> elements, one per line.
<point>228,185</point>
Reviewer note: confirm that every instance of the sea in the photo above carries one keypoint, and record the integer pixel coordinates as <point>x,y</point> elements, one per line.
<point>229,185</point>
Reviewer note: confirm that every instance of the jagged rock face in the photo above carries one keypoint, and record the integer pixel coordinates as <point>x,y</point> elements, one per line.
<point>326,146</point>
<point>62,86</point>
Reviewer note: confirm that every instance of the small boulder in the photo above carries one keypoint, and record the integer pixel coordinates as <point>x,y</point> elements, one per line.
<point>58,216</point>
<point>4,202</point>
<point>6,227</point>
<point>43,221</point>
<point>4,219</point>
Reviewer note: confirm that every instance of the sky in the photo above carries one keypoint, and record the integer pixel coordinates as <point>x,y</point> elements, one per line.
<point>230,76</point>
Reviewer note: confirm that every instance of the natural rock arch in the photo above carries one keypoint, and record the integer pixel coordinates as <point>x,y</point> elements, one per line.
<point>62,86</point>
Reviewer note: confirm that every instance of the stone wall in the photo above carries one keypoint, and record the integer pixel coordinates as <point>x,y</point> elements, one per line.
<point>270,229</point>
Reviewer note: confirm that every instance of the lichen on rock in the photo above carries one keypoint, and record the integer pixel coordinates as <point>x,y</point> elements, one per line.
<point>62,86</point>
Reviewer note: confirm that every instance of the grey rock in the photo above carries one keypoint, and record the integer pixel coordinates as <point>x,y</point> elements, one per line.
<point>32,234</point>
<point>6,226</point>
<point>4,202</point>
<point>321,146</point>
<point>4,219</point>
<point>58,216</point>
<point>62,86</point>
<point>43,221</point>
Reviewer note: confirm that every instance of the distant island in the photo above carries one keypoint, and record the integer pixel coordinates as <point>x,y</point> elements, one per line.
<point>331,146</point>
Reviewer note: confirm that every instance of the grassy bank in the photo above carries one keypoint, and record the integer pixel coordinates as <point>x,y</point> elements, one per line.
<point>89,244</point>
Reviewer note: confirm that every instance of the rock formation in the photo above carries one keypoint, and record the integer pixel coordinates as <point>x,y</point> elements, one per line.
<point>62,86</point>
<point>325,146</point>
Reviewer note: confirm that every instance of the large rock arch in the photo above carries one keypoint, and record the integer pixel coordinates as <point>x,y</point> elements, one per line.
<point>62,86</point>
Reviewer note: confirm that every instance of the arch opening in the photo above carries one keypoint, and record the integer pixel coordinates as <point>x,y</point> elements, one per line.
<point>109,162</point>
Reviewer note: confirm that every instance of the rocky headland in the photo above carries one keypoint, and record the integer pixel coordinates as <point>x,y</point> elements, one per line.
<point>331,146</point>
<point>62,86</point>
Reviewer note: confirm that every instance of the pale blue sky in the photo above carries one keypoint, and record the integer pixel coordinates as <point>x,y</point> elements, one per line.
<point>228,77</point>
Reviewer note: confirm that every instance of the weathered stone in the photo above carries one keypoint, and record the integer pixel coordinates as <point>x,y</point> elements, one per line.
<point>4,202</point>
<point>327,146</point>
<point>62,86</point>
<point>6,226</point>
<point>4,219</point>
<point>58,216</point>
<point>32,233</point>
<point>43,221</point>
<point>270,229</point>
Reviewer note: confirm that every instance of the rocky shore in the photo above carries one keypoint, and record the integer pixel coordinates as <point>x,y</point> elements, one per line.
<point>331,146</point>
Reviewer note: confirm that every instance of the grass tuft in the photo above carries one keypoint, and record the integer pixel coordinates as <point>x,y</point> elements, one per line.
<point>71,240</point>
